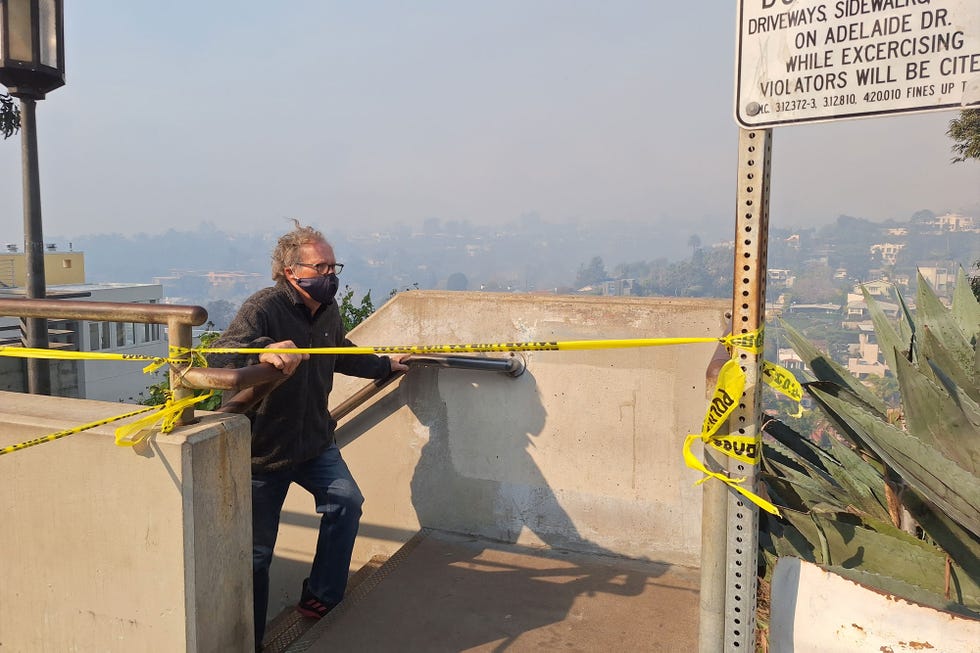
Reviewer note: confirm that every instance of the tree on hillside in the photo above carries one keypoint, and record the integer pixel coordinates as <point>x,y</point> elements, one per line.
<point>694,242</point>
<point>9,116</point>
<point>457,281</point>
<point>221,313</point>
<point>965,132</point>
<point>634,270</point>
<point>353,313</point>
<point>815,285</point>
<point>592,273</point>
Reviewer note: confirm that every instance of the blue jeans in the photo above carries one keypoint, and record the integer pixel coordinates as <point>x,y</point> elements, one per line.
<point>338,500</point>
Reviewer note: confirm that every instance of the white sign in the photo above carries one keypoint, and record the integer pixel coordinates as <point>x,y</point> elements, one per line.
<point>818,60</point>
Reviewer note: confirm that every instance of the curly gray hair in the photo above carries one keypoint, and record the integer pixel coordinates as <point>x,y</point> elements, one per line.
<point>286,253</point>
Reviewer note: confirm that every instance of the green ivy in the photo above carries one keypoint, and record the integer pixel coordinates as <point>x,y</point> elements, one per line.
<point>158,393</point>
<point>353,314</point>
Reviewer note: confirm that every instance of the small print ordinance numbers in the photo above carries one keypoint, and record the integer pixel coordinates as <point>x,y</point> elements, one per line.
<point>796,105</point>
<point>839,100</point>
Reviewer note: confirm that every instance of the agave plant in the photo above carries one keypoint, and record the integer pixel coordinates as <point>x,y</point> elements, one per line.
<point>896,504</point>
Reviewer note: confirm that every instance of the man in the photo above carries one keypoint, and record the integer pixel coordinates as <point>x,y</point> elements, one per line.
<point>292,431</point>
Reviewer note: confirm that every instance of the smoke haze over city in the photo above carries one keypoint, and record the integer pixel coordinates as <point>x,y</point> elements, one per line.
<point>367,115</point>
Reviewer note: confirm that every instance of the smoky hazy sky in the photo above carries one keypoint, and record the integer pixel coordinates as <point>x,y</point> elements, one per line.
<point>368,112</point>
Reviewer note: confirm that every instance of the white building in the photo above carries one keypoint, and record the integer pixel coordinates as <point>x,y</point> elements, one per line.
<point>113,380</point>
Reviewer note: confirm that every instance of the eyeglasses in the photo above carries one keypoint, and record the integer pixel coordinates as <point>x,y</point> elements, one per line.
<point>324,268</point>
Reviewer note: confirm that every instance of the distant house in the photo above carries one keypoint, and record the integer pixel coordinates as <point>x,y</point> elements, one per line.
<point>814,309</point>
<point>777,278</point>
<point>941,276</point>
<point>864,357</point>
<point>887,251</point>
<point>618,287</point>
<point>856,310</point>
<point>877,288</point>
<point>956,222</point>
<point>789,359</point>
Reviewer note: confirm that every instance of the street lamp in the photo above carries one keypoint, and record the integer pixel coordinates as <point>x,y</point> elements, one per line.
<point>32,63</point>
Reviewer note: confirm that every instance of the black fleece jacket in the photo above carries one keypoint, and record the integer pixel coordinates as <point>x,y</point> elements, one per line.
<point>293,424</point>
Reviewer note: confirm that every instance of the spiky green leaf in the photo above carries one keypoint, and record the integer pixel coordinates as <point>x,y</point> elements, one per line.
<point>889,340</point>
<point>812,489</point>
<point>931,313</point>
<point>884,549</point>
<point>883,582</point>
<point>931,349</point>
<point>961,545</point>
<point>792,440</point>
<point>966,308</point>
<point>966,403</point>
<point>841,425</point>
<point>940,480</point>
<point>935,419</point>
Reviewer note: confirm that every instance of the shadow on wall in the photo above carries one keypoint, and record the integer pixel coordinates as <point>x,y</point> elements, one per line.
<point>476,474</point>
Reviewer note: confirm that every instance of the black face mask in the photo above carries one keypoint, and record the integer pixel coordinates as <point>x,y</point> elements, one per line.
<point>321,288</point>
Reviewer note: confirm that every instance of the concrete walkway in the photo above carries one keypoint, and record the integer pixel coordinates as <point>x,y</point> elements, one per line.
<point>444,592</point>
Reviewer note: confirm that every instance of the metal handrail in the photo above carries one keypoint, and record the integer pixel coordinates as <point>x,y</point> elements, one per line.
<point>257,381</point>
<point>179,320</point>
<point>512,366</point>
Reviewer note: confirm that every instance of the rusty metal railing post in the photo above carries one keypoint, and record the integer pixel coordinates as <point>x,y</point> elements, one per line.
<point>179,335</point>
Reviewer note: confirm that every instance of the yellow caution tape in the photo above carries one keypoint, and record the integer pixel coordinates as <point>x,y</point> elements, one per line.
<point>721,406</point>
<point>751,341</point>
<point>728,392</point>
<point>139,430</point>
<point>168,412</point>
<point>553,345</point>
<point>178,354</point>
<point>739,447</point>
<point>782,380</point>
<point>61,354</point>
<point>692,461</point>
<point>77,429</point>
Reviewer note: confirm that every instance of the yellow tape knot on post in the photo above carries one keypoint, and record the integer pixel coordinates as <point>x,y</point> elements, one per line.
<point>728,391</point>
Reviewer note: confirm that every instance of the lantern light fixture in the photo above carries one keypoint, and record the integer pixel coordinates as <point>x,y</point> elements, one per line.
<point>32,49</point>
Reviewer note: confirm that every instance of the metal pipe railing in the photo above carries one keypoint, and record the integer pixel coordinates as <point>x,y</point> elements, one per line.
<point>259,380</point>
<point>179,320</point>
<point>512,366</point>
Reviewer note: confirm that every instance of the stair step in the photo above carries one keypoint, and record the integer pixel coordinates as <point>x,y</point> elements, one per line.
<point>289,626</point>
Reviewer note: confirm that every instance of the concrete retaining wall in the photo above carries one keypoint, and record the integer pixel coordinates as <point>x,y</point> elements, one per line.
<point>582,452</point>
<point>107,548</point>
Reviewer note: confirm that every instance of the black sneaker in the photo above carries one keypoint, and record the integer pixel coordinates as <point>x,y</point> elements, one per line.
<point>310,606</point>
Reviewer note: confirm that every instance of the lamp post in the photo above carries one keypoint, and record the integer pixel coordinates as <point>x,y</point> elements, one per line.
<point>32,63</point>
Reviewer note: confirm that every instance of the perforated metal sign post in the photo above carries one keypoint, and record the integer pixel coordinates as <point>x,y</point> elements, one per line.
<point>748,315</point>
<point>811,61</point>
<point>819,60</point>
